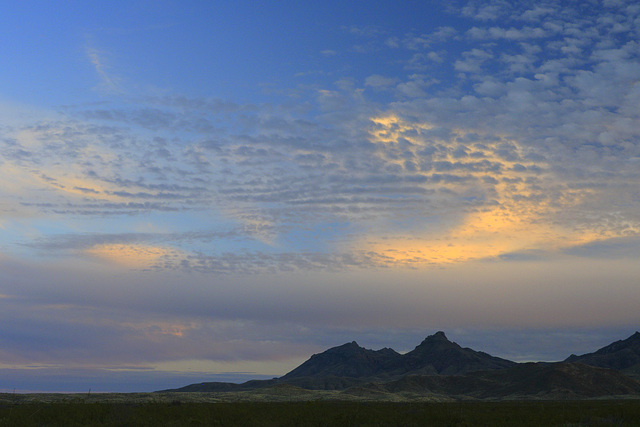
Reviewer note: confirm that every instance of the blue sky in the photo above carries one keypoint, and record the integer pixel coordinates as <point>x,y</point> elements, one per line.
<point>218,190</point>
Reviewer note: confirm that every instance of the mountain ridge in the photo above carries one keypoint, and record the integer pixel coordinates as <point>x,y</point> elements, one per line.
<point>435,355</point>
<point>621,355</point>
<point>439,367</point>
<point>347,360</point>
<point>449,358</point>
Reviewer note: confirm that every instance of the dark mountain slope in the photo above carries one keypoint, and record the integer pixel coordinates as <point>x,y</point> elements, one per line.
<point>559,380</point>
<point>573,380</point>
<point>348,360</point>
<point>436,354</point>
<point>529,380</point>
<point>623,355</point>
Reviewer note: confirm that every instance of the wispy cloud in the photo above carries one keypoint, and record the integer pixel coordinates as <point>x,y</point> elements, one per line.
<point>109,83</point>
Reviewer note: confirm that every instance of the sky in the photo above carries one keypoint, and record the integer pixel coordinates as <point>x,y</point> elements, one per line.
<point>213,191</point>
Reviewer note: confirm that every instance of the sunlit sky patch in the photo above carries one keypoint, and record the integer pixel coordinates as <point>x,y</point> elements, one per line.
<point>226,188</point>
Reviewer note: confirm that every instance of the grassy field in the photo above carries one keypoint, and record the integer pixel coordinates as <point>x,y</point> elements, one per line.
<point>129,411</point>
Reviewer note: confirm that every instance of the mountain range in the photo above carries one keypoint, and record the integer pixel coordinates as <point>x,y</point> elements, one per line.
<point>436,355</point>
<point>440,368</point>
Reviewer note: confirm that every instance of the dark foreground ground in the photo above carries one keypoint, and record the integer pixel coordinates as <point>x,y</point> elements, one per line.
<point>88,412</point>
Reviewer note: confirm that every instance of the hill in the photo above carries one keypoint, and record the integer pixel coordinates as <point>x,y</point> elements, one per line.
<point>349,365</point>
<point>348,360</point>
<point>435,355</point>
<point>440,369</point>
<point>622,355</point>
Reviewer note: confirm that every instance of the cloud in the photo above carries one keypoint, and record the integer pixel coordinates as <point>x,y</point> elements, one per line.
<point>614,248</point>
<point>416,87</point>
<point>511,213</point>
<point>484,12</point>
<point>493,152</point>
<point>96,319</point>
<point>538,12</point>
<point>259,176</point>
<point>472,61</point>
<point>131,256</point>
<point>378,81</point>
<point>108,83</point>
<point>513,34</point>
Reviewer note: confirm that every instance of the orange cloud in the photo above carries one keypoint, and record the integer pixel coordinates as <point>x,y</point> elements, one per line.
<point>518,215</point>
<point>155,330</point>
<point>480,235</point>
<point>131,256</point>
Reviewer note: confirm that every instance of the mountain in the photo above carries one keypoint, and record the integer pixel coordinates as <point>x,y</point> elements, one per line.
<point>350,365</point>
<point>526,381</point>
<point>347,360</point>
<point>435,355</point>
<point>623,355</point>
<point>440,369</point>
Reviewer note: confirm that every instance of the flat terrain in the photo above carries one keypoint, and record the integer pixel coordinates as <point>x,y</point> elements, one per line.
<point>153,409</point>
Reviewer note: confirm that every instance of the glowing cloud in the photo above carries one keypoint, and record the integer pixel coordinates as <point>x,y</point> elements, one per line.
<point>516,198</point>
<point>130,256</point>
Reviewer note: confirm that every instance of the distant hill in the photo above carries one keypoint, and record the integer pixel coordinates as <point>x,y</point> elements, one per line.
<point>349,365</point>
<point>623,355</point>
<point>441,369</point>
<point>435,355</point>
<point>224,387</point>
<point>348,360</point>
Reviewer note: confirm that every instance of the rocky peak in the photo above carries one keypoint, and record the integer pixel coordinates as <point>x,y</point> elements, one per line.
<point>438,339</point>
<point>349,347</point>
<point>438,336</point>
